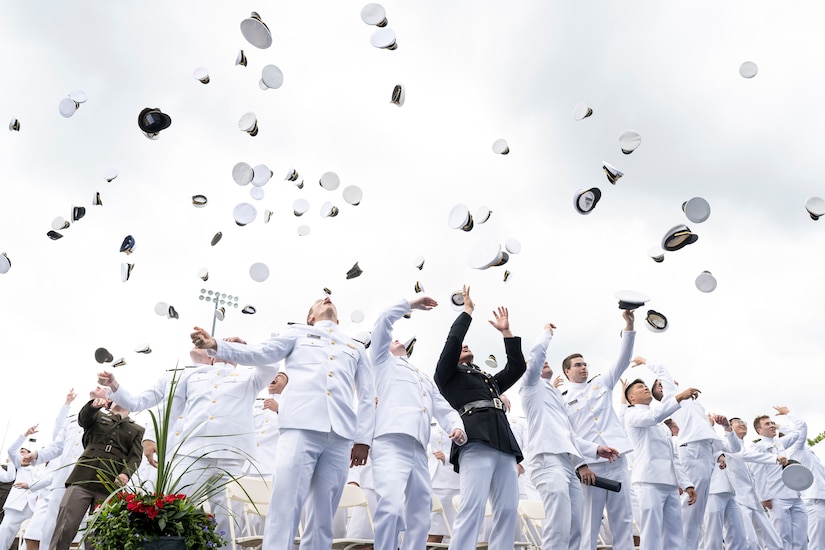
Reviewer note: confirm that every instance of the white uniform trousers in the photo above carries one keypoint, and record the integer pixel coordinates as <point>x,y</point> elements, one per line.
<point>698,463</point>
<point>34,531</point>
<point>815,507</point>
<point>561,495</point>
<point>791,522</point>
<point>402,485</point>
<point>759,531</point>
<point>723,522</point>
<point>308,464</point>
<point>486,472</point>
<point>661,527</point>
<point>12,520</point>
<point>437,526</point>
<point>618,507</point>
<point>195,471</point>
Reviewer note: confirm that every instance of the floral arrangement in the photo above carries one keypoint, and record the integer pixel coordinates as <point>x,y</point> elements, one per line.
<point>146,513</point>
<point>131,518</point>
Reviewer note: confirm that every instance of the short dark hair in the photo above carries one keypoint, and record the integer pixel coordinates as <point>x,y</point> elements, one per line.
<point>565,365</point>
<point>735,418</point>
<point>627,389</point>
<point>668,422</point>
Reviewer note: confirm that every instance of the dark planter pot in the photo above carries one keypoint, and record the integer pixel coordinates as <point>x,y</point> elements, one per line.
<point>166,543</point>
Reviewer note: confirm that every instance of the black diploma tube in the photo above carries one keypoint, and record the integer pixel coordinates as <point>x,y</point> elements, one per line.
<point>605,483</point>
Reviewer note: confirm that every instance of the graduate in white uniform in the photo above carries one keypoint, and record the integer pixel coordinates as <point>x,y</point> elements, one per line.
<point>759,531</point>
<point>590,408</point>
<point>322,431</point>
<point>407,401</point>
<point>267,433</point>
<point>554,459</point>
<point>814,496</point>
<point>22,499</point>
<point>445,481</point>
<point>41,525</point>
<point>784,504</point>
<point>696,442</point>
<point>723,518</point>
<point>655,472</point>
<point>217,430</point>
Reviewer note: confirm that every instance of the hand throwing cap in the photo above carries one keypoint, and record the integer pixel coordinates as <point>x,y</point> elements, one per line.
<point>630,299</point>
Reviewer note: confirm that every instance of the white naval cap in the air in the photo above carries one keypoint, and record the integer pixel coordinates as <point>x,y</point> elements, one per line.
<point>696,209</point>
<point>256,32</point>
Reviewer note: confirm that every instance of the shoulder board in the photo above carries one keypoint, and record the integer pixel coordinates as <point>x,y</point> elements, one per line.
<point>564,392</point>
<point>593,378</point>
<point>757,440</point>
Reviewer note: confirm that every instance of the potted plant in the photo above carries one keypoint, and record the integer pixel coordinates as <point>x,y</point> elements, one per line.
<point>154,515</point>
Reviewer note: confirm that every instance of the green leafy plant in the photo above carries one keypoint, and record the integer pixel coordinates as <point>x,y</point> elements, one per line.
<point>146,511</point>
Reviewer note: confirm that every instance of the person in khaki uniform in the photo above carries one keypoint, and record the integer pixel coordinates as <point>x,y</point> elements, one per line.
<point>112,445</point>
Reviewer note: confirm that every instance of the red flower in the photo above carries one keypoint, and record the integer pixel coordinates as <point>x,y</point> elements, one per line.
<point>169,499</point>
<point>152,512</point>
<point>159,503</point>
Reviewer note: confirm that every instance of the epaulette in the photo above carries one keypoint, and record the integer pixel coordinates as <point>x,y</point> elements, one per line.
<point>564,392</point>
<point>757,440</point>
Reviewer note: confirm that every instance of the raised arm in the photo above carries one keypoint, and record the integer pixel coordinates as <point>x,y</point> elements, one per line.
<point>266,353</point>
<point>381,336</point>
<point>447,366</point>
<point>516,365</point>
<point>535,361</point>
<point>611,377</point>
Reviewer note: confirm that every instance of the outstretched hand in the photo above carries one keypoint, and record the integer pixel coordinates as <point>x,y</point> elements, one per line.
<point>502,321</point>
<point>201,339</point>
<point>469,306</point>
<point>424,303</point>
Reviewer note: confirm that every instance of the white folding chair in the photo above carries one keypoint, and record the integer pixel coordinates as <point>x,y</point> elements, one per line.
<point>254,492</point>
<point>531,513</point>
<point>438,508</point>
<point>353,497</point>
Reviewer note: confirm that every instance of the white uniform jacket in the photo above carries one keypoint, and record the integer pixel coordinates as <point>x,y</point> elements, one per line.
<point>19,498</point>
<point>218,401</point>
<point>691,416</point>
<point>590,406</point>
<point>323,365</point>
<point>767,473</point>
<point>654,460</point>
<point>547,421</point>
<point>407,397</point>
<point>802,453</point>
<point>720,480</point>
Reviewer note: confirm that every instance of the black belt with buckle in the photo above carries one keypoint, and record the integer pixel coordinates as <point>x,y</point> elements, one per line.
<point>494,403</point>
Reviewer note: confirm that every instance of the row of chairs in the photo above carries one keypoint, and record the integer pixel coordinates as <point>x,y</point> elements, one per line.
<point>255,492</point>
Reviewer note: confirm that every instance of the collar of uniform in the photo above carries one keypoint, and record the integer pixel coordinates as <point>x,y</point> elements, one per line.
<point>325,324</point>
<point>576,385</point>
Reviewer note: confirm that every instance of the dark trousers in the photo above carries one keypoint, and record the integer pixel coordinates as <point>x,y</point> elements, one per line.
<point>73,508</point>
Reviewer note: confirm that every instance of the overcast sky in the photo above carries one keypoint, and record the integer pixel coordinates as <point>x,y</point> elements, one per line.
<point>474,72</point>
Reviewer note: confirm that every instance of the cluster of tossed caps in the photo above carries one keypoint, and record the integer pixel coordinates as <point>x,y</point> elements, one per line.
<point>460,217</point>
<point>329,181</point>
<point>127,247</point>
<point>631,300</point>
<point>103,356</point>
<point>60,223</point>
<point>68,106</point>
<point>258,175</point>
<point>383,37</point>
<point>490,253</point>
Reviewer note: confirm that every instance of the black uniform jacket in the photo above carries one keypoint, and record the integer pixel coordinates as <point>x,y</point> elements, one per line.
<point>460,384</point>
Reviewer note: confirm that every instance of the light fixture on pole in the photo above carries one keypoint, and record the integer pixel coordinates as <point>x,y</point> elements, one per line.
<point>222,302</point>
